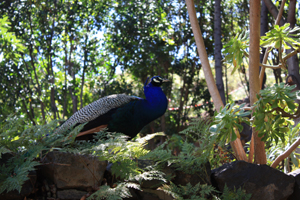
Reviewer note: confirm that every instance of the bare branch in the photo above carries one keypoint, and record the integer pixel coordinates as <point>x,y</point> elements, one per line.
<point>291,54</point>
<point>286,153</point>
<point>271,66</point>
<point>285,114</point>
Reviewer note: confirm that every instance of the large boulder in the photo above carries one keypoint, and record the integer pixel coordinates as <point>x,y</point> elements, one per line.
<point>296,193</point>
<point>73,171</point>
<point>262,181</point>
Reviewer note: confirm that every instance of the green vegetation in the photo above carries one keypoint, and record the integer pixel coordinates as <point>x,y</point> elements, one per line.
<point>31,143</point>
<point>58,56</point>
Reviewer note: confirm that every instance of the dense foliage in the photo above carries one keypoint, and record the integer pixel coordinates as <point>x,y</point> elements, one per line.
<point>32,143</point>
<point>58,56</point>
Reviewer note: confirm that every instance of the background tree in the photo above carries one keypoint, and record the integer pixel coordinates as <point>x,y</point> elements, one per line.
<point>218,48</point>
<point>56,46</point>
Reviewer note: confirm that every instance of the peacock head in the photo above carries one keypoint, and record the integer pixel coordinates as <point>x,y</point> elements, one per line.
<point>157,81</point>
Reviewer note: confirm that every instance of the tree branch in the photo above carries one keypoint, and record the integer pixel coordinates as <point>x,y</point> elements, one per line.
<point>285,114</point>
<point>286,153</point>
<point>271,66</point>
<point>291,54</point>
<point>274,12</point>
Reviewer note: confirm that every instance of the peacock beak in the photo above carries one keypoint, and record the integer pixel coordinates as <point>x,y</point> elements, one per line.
<point>165,80</point>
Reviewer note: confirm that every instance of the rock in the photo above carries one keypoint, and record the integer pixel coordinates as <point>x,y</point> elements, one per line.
<point>70,194</point>
<point>296,193</point>
<point>203,175</point>
<point>262,181</point>
<point>73,171</point>
<point>156,194</point>
<point>149,194</point>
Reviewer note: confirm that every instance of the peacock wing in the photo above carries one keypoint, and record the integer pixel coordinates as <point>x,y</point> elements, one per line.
<point>96,109</point>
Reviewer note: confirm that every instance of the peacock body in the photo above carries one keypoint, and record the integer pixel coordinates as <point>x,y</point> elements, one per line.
<point>120,112</point>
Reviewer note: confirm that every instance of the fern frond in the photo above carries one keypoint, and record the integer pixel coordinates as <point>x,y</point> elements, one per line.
<point>118,193</point>
<point>189,192</point>
<point>149,175</point>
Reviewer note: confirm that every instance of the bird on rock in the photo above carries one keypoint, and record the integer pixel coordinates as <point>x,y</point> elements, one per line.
<point>120,112</point>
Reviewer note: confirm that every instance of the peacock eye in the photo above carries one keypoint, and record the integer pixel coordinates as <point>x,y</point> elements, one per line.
<point>155,80</point>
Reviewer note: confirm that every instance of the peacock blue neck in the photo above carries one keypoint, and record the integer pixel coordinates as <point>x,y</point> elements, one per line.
<point>156,101</point>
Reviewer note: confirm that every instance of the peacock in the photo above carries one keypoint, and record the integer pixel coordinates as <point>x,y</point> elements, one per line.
<point>120,112</point>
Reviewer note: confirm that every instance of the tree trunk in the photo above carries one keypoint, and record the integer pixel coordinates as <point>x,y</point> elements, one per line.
<point>72,74</point>
<point>218,48</point>
<point>84,66</point>
<point>74,97</point>
<point>50,69</point>
<point>39,89</point>
<point>181,102</point>
<point>65,81</point>
<point>213,90</point>
<point>277,22</point>
<point>259,146</point>
<point>83,76</point>
<point>263,30</point>
<point>28,113</point>
<point>211,84</point>
<point>163,123</point>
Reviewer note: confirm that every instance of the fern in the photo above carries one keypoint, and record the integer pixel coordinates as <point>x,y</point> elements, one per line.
<point>235,194</point>
<point>189,192</point>
<point>191,157</point>
<point>148,175</point>
<point>14,173</point>
<point>25,144</point>
<point>123,155</point>
<point>118,193</point>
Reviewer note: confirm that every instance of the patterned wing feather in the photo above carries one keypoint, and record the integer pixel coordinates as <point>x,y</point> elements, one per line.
<point>95,109</point>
